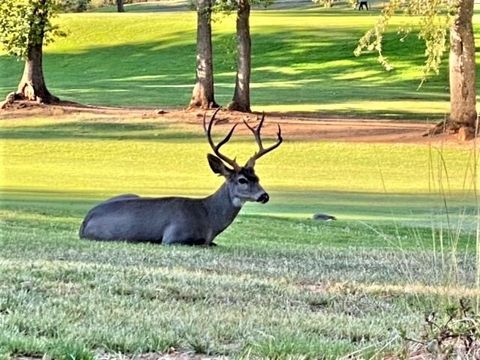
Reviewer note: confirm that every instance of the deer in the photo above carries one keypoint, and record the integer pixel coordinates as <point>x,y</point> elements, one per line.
<point>183,220</point>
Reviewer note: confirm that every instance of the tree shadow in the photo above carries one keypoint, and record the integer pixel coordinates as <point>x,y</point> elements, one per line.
<point>308,67</point>
<point>98,131</point>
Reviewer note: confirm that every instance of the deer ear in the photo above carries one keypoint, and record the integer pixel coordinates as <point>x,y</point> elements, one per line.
<point>217,166</point>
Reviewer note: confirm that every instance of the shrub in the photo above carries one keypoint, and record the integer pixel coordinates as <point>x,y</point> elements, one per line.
<point>74,5</point>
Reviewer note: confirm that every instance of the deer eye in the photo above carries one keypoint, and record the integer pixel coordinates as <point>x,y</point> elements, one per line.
<point>242,181</point>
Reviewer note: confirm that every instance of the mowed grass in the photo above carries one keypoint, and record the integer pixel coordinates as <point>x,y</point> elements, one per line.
<point>279,285</point>
<point>302,62</point>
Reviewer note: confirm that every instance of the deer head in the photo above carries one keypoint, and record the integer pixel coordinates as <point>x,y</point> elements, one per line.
<point>242,182</point>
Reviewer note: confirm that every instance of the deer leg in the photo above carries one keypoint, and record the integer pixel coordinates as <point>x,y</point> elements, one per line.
<point>188,242</point>
<point>175,236</point>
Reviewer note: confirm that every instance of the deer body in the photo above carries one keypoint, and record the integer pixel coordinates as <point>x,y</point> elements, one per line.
<point>180,220</point>
<point>170,220</point>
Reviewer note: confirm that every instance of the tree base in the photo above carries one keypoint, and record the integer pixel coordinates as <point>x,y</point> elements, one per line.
<point>204,106</point>
<point>462,131</point>
<point>39,93</point>
<point>28,96</point>
<point>233,106</point>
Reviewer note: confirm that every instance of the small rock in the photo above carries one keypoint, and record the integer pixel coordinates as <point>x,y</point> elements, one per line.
<point>465,133</point>
<point>161,112</point>
<point>324,217</point>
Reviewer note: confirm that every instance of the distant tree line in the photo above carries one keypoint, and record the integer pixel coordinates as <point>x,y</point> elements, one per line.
<point>25,26</point>
<point>84,5</point>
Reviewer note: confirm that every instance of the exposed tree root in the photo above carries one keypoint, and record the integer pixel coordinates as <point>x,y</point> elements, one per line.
<point>40,94</point>
<point>9,100</point>
<point>235,106</point>
<point>196,105</point>
<point>12,97</point>
<point>463,132</point>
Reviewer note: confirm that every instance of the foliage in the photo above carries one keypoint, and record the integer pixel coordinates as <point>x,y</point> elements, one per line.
<point>435,17</point>
<point>25,23</point>
<point>329,3</point>
<point>74,5</point>
<point>228,6</point>
<point>453,333</point>
<point>100,3</point>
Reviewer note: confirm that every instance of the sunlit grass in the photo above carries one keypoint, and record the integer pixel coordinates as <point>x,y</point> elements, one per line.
<point>154,157</point>
<point>280,285</point>
<point>92,158</point>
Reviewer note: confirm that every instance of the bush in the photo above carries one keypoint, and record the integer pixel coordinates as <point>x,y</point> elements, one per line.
<point>100,3</point>
<point>74,5</point>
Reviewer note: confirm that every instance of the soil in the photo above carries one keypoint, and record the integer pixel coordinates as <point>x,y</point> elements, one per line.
<point>294,127</point>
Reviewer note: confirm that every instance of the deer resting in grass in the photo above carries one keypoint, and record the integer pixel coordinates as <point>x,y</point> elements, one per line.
<point>180,220</point>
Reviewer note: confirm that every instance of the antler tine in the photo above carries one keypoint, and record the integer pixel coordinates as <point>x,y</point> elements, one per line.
<point>216,148</point>
<point>261,150</point>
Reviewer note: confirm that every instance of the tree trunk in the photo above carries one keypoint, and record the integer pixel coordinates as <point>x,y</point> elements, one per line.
<point>241,96</point>
<point>203,92</point>
<point>32,85</point>
<point>120,7</point>
<point>462,69</point>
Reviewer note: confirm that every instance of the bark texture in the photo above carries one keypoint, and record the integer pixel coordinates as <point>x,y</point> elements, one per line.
<point>120,7</point>
<point>203,93</point>
<point>462,69</point>
<point>241,96</point>
<point>32,86</point>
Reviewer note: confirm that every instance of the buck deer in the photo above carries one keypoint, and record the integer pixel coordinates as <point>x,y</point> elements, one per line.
<point>179,220</point>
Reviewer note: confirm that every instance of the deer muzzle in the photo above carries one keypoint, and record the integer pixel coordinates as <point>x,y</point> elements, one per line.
<point>263,198</point>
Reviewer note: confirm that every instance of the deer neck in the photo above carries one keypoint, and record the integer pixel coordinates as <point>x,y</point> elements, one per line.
<point>221,208</point>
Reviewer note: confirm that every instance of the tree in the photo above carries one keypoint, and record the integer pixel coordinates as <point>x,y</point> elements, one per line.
<point>462,69</point>
<point>24,27</point>
<point>437,19</point>
<point>241,95</point>
<point>120,7</point>
<point>203,92</point>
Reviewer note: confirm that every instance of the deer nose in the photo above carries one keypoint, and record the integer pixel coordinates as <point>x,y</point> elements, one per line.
<point>263,198</point>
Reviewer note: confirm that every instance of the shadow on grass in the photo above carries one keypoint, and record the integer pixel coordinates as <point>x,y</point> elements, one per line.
<point>98,131</point>
<point>366,221</point>
<point>146,8</point>
<point>307,67</point>
<point>418,210</point>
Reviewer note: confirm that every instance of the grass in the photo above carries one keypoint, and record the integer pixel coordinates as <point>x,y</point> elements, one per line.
<point>302,62</point>
<point>279,285</point>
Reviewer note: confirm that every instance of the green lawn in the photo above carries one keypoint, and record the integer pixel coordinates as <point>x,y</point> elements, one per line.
<point>279,285</point>
<point>302,62</point>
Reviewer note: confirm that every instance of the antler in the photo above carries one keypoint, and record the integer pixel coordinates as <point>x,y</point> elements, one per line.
<point>258,139</point>
<point>216,148</point>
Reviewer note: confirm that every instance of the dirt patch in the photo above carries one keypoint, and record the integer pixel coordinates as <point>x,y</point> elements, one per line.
<point>294,127</point>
